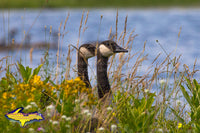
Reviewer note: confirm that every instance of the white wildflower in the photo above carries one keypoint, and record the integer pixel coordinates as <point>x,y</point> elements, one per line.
<point>178,102</point>
<point>77,101</point>
<point>67,126</point>
<point>109,108</point>
<point>68,119</point>
<point>55,123</point>
<point>146,90</point>
<point>162,81</point>
<point>113,127</point>
<point>34,104</point>
<point>85,111</point>
<point>101,129</point>
<point>89,114</point>
<point>160,130</point>
<point>50,110</point>
<point>50,107</point>
<point>64,117</point>
<point>31,130</point>
<point>28,107</point>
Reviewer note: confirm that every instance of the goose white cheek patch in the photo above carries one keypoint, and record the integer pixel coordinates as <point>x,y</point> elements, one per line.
<point>105,51</point>
<point>85,53</point>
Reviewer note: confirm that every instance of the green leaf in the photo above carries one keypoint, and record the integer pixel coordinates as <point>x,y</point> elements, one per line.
<point>28,73</point>
<point>36,70</point>
<point>46,80</point>
<point>22,70</point>
<point>58,107</point>
<point>52,82</point>
<point>187,97</point>
<point>189,85</point>
<point>4,83</point>
<point>197,114</point>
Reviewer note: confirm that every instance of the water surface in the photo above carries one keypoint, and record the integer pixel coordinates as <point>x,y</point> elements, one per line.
<point>150,25</point>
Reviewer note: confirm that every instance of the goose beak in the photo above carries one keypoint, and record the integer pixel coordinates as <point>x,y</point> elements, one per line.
<point>119,49</point>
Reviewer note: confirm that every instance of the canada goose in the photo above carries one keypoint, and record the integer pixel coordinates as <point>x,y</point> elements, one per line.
<point>86,51</point>
<point>104,51</point>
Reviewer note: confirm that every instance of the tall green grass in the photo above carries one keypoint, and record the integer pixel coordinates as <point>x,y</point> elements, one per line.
<point>140,102</point>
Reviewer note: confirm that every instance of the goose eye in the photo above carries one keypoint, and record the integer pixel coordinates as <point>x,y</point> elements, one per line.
<point>109,44</point>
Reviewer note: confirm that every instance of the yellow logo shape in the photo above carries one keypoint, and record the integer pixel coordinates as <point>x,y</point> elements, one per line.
<point>23,118</point>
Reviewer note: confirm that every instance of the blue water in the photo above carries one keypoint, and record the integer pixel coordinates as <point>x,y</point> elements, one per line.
<point>150,25</point>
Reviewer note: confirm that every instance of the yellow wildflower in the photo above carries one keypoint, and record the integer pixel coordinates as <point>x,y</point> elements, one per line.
<point>75,91</point>
<point>70,81</point>
<point>77,79</point>
<point>5,95</point>
<point>33,89</point>
<point>13,106</point>
<point>19,97</point>
<point>5,106</point>
<point>114,114</point>
<point>26,85</point>
<point>12,95</point>
<point>30,99</point>
<point>180,125</point>
<point>36,78</point>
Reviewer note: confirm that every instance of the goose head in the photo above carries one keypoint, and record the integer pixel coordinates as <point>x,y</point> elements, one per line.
<point>87,50</point>
<point>108,48</point>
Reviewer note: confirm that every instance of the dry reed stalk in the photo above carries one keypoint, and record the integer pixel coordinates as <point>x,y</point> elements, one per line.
<point>120,38</point>
<point>116,25</point>
<point>31,55</point>
<point>58,54</point>
<point>84,26</point>
<point>79,34</point>
<point>64,33</point>
<point>179,33</point>
<point>13,42</point>
<point>125,25</point>
<point>68,66</point>
<point>110,33</point>
<point>1,66</point>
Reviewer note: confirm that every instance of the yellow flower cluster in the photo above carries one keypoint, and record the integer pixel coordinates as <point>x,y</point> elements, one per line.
<point>31,92</point>
<point>36,80</point>
<point>75,87</point>
<point>7,101</point>
<point>24,93</point>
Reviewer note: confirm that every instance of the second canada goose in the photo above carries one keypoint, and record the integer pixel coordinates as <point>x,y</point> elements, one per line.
<point>86,51</point>
<point>104,51</point>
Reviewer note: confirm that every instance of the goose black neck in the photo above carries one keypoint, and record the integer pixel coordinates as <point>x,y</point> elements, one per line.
<point>83,70</point>
<point>102,78</point>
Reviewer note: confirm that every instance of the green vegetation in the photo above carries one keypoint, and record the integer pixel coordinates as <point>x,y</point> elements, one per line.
<point>133,107</point>
<point>95,3</point>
